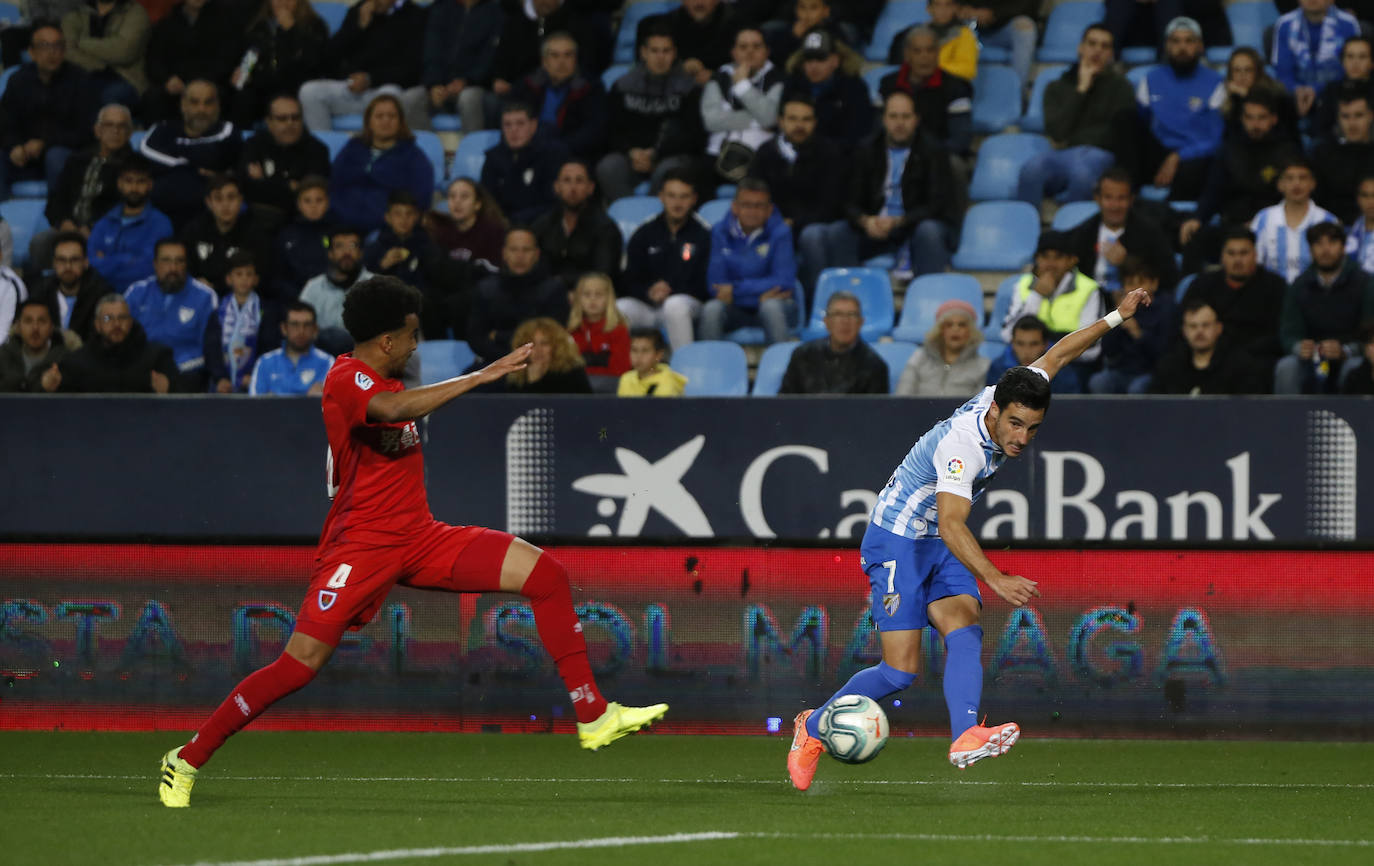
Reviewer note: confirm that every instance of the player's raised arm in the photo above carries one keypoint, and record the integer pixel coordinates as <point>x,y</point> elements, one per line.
<point>394,406</point>
<point>1067,350</point>
<point>954,532</point>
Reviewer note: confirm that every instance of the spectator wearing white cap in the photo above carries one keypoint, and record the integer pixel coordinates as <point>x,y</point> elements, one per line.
<point>1181,103</point>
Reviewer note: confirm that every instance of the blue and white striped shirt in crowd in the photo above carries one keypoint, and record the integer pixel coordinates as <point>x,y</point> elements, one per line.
<point>1359,244</point>
<point>1281,249</point>
<point>957,456</point>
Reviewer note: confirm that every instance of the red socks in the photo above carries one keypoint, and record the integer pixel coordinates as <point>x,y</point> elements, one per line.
<point>561,634</point>
<point>260,690</point>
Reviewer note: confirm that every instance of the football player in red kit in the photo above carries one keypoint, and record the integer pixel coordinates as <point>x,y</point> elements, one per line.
<point>380,532</point>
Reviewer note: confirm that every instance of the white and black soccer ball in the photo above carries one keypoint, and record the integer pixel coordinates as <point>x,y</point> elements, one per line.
<point>853,728</point>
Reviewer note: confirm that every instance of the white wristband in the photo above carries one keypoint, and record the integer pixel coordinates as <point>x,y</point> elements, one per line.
<point>1113,319</point>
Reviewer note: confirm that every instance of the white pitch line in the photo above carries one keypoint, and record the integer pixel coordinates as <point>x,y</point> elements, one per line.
<point>516,848</point>
<point>1086,840</point>
<point>534,780</point>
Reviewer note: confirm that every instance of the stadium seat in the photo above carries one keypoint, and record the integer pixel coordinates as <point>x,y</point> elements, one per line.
<point>1182,288</point>
<point>334,139</point>
<point>925,295</point>
<point>1072,213</point>
<point>25,216</point>
<point>1248,21</point>
<point>472,152</point>
<point>772,366</point>
<point>612,75</point>
<point>895,355</point>
<point>444,359</point>
<point>1136,74</point>
<point>632,212</point>
<point>1034,119</point>
<point>29,189</point>
<point>999,164</point>
<point>991,349</point>
<point>5,78</point>
<point>714,210</point>
<point>446,123</point>
<point>9,13</point>
<point>714,368</point>
<point>346,122</point>
<point>996,98</point>
<point>896,16</point>
<point>1064,30</point>
<point>1138,55</point>
<point>136,139</point>
<point>997,236</point>
<point>1001,304</point>
<point>873,290</point>
<point>332,12</point>
<point>873,77</point>
<point>434,149</point>
<point>629,23</point>
<point>726,190</point>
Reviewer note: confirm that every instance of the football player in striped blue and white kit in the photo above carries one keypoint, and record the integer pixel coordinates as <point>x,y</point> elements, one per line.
<point>924,562</point>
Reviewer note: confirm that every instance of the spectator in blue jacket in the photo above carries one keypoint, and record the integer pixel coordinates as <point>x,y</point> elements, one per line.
<point>752,273</point>
<point>519,171</point>
<point>1307,49</point>
<point>381,158</point>
<point>185,150</point>
<point>175,309</point>
<point>120,247</point>
<point>571,106</point>
<point>1181,103</point>
<point>461,39</point>
<point>298,367</point>
<point>1131,352</point>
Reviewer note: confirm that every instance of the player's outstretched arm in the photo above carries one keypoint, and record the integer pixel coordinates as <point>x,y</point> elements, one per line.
<point>1067,350</point>
<point>395,406</point>
<point>954,532</point>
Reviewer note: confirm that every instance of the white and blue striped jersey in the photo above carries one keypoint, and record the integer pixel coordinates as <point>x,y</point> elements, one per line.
<point>1359,244</point>
<point>1281,249</point>
<point>956,456</point>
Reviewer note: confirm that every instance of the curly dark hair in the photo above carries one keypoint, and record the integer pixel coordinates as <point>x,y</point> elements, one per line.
<point>1022,385</point>
<point>378,305</point>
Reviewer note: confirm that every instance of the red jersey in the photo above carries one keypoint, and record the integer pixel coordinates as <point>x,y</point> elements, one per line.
<point>606,353</point>
<point>376,473</point>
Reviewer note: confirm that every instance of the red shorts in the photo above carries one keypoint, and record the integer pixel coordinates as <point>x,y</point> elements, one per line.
<point>349,583</point>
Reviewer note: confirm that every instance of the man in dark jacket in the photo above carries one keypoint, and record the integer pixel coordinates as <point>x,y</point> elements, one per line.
<point>74,288</point>
<point>274,162</point>
<point>576,236</point>
<point>1357,64</point>
<point>527,22</point>
<point>222,229</point>
<point>184,150</point>
<point>519,171</point>
<point>571,106</point>
<point>29,358</point>
<point>844,109</point>
<point>377,48</point>
<point>943,102</point>
<point>1086,109</point>
<point>804,170</point>
<point>1246,297</point>
<point>461,42</point>
<point>44,113</point>
<point>665,272</point>
<point>1118,229</point>
<point>839,363</point>
<point>196,39</point>
<point>1323,312</point>
<point>1342,163</point>
<point>88,187</point>
<point>703,31</point>
<point>120,360</point>
<point>524,289</point>
<point>1204,363</point>
<point>655,120</point>
<point>920,212</point>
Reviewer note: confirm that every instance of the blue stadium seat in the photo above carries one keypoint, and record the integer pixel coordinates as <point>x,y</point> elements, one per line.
<point>633,211</point>
<point>472,152</point>
<point>136,139</point>
<point>997,236</point>
<point>5,78</point>
<point>1182,288</point>
<point>444,359</point>
<point>1001,304</point>
<point>635,13</point>
<point>714,368</point>
<point>1136,74</point>
<point>896,16</point>
<point>925,295</point>
<point>26,219</point>
<point>726,190</point>
<point>29,189</point>
<point>772,366</point>
<point>714,210</point>
<point>1072,213</point>
<point>434,149</point>
<point>996,98</point>
<point>1064,30</point>
<point>895,355</point>
<point>874,291</point>
<point>1248,21</point>
<point>991,349</point>
<point>446,123</point>
<point>1139,55</point>
<point>999,164</point>
<point>346,122</point>
<point>9,13</point>
<point>332,12</point>
<point>1034,119</point>
<point>873,77</point>
<point>334,139</point>
<point>612,75</point>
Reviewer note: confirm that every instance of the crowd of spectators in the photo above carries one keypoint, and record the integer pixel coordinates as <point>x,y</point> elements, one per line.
<point>215,255</point>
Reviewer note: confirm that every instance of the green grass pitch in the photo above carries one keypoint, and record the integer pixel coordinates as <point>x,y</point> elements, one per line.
<point>309,799</point>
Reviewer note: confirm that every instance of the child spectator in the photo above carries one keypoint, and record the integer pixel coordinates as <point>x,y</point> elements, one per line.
<point>400,249</point>
<point>1359,244</point>
<point>649,375</point>
<point>554,366</point>
<point>1131,353</point>
<point>241,329</point>
<point>958,48</point>
<point>473,230</point>
<point>1280,230</point>
<point>303,244</point>
<point>601,334</point>
<point>222,229</point>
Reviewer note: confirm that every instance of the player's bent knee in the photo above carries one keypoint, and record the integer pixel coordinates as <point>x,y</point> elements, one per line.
<point>310,651</point>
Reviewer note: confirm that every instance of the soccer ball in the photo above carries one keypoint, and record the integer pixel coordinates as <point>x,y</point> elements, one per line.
<point>853,728</point>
